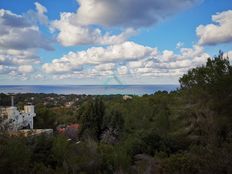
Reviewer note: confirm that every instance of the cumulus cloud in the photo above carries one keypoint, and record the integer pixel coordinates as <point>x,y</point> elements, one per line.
<point>71,33</point>
<point>4,69</point>
<point>40,8</point>
<point>168,55</point>
<point>13,57</point>
<point>80,28</point>
<point>97,55</point>
<point>228,54</point>
<point>169,64</point>
<point>220,32</point>
<point>122,70</point>
<point>20,40</point>
<point>128,13</point>
<point>105,67</point>
<point>25,69</point>
<point>179,45</point>
<point>17,33</point>
<point>127,58</point>
<point>41,11</point>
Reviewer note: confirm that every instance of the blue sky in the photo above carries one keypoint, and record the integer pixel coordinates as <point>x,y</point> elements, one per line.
<point>90,41</point>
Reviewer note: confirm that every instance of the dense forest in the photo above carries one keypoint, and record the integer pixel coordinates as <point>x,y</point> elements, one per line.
<point>186,131</point>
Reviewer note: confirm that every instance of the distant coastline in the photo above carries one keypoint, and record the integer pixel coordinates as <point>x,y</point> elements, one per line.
<point>88,89</point>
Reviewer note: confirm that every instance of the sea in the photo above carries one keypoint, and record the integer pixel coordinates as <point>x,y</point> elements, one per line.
<point>88,89</point>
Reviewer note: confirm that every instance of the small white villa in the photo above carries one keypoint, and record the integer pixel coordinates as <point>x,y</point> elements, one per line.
<point>12,119</point>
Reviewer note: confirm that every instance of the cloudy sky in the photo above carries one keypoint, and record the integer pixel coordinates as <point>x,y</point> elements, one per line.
<point>109,41</point>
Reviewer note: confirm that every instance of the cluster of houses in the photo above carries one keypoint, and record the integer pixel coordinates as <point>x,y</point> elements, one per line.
<point>71,130</point>
<point>20,123</point>
<point>13,119</point>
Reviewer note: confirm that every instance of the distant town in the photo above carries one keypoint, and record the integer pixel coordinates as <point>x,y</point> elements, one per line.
<point>18,117</point>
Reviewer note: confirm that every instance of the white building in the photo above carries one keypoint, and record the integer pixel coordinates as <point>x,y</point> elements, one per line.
<point>127,97</point>
<point>13,120</point>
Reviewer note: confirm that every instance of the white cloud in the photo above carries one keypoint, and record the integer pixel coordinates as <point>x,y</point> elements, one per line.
<point>128,13</point>
<point>71,33</point>
<point>41,11</point>
<point>105,67</point>
<point>122,70</point>
<point>17,33</point>
<point>97,55</point>
<point>167,55</point>
<point>82,27</point>
<point>40,8</point>
<point>39,77</point>
<point>13,57</point>
<point>220,32</point>
<point>128,59</point>
<point>20,40</point>
<point>229,55</point>
<point>135,64</point>
<point>4,69</point>
<point>25,69</point>
<point>179,45</point>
